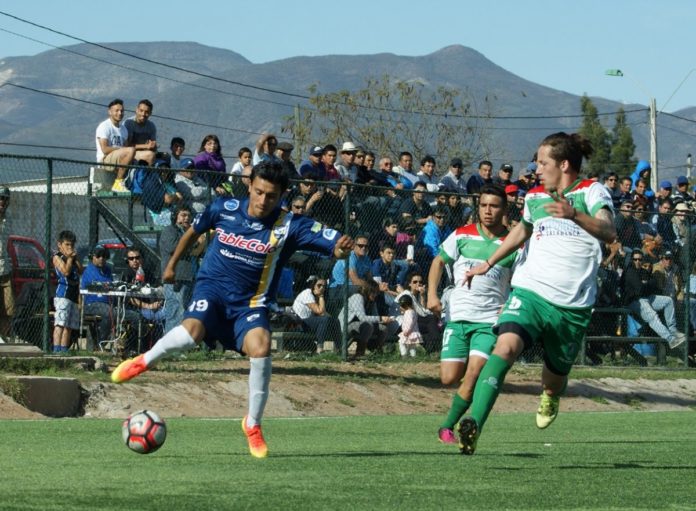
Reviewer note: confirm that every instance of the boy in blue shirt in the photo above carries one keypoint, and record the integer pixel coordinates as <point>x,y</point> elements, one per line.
<point>68,269</point>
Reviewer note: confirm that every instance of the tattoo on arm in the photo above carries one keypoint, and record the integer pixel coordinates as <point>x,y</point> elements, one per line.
<point>607,230</point>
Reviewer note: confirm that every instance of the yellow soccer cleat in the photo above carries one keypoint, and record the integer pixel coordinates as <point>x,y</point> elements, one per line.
<point>548,410</point>
<point>129,369</point>
<point>257,444</point>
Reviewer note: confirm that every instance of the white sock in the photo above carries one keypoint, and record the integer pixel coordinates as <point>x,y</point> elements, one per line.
<point>403,350</point>
<point>176,340</point>
<point>259,379</point>
<point>412,352</point>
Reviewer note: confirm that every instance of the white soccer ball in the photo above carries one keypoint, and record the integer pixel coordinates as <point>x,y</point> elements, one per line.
<point>144,432</point>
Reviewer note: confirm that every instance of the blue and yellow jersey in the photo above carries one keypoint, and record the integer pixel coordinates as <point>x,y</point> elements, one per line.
<point>247,253</point>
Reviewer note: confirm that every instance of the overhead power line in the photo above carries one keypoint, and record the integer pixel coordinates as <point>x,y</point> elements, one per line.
<point>291,94</point>
<point>147,73</point>
<point>88,102</point>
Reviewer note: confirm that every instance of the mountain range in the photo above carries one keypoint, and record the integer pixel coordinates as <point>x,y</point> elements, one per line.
<point>34,111</point>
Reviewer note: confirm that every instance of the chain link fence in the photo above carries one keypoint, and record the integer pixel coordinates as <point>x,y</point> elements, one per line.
<point>52,195</point>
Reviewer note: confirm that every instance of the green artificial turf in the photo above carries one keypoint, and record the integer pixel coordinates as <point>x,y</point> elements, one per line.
<point>635,460</point>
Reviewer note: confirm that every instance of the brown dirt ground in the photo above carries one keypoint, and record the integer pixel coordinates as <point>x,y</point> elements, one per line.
<point>219,389</point>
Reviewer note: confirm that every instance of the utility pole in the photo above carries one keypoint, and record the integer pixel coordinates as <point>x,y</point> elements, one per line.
<point>653,143</point>
<point>688,166</point>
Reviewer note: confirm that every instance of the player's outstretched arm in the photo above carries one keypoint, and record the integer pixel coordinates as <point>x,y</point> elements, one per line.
<point>343,247</point>
<point>517,236</point>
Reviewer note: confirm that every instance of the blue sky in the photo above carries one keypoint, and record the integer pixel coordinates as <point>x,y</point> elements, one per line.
<point>566,45</point>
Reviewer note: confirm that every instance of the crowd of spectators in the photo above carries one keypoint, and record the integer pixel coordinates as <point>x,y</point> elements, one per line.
<point>398,216</point>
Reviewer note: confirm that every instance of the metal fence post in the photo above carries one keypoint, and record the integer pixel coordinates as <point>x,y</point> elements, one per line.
<point>687,292</point>
<point>346,283</point>
<point>47,256</point>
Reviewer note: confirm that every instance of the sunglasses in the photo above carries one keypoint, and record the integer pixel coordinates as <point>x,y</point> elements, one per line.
<point>361,245</point>
<point>298,206</point>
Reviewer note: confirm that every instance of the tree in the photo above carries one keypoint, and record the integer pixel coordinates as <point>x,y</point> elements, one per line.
<point>388,116</point>
<point>593,130</point>
<point>622,146</point>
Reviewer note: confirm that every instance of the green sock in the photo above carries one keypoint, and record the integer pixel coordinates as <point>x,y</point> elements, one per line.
<point>488,386</point>
<point>458,408</point>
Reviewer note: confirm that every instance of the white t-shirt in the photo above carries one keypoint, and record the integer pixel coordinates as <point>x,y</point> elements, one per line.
<point>299,306</point>
<point>237,169</point>
<point>116,136</point>
<point>563,258</point>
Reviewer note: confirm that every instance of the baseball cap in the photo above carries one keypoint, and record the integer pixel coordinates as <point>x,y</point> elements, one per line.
<point>682,180</point>
<point>317,149</point>
<point>507,167</point>
<point>510,189</point>
<point>100,251</point>
<point>666,185</point>
<point>186,164</point>
<point>668,254</point>
<point>285,146</point>
<point>682,206</point>
<point>457,162</point>
<point>531,169</point>
<point>4,191</point>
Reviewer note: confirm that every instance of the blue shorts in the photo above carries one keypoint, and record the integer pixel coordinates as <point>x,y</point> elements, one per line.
<point>225,320</point>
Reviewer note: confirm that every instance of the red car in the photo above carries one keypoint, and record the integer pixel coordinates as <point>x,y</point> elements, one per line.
<point>28,283</point>
<point>27,259</point>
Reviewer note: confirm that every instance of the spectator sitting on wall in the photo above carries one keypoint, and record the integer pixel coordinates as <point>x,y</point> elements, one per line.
<point>142,133</point>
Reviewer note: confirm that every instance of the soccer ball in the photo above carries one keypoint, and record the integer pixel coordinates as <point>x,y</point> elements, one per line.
<point>144,432</point>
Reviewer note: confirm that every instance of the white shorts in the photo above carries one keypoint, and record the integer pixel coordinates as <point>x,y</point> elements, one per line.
<point>67,314</point>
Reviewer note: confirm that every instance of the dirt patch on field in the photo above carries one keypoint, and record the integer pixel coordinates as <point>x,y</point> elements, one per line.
<point>219,389</point>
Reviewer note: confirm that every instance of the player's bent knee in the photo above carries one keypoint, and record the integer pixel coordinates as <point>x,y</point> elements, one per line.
<point>195,328</point>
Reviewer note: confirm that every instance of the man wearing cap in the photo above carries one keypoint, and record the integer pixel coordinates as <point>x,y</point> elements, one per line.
<point>668,279</point>
<point>104,306</point>
<point>665,190</point>
<point>6,296</point>
<point>683,189</point>
<point>453,181</point>
<point>111,139</point>
<point>504,176</point>
<point>482,177</point>
<point>313,165</point>
<point>514,211</point>
<point>284,153</point>
<point>527,178</point>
